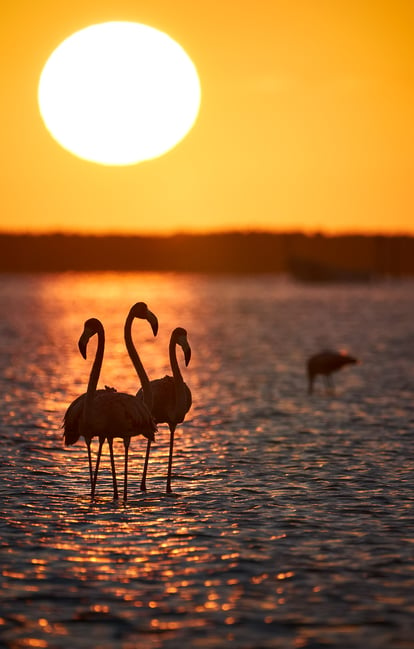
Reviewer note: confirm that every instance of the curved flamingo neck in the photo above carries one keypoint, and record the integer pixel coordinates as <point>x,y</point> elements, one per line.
<point>174,363</point>
<point>179,385</point>
<point>95,371</point>
<point>136,361</point>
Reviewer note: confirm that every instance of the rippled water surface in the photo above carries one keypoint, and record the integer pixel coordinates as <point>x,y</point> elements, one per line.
<point>291,523</point>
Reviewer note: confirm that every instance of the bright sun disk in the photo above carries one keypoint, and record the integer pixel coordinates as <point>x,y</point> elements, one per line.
<point>118,93</point>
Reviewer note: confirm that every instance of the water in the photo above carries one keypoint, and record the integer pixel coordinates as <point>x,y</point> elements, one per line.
<point>291,524</point>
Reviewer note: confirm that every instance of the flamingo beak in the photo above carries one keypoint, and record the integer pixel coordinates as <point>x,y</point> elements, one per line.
<point>153,320</point>
<point>83,343</point>
<point>187,353</point>
<point>84,339</point>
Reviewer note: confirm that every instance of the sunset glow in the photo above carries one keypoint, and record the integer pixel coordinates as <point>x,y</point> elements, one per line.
<point>305,121</point>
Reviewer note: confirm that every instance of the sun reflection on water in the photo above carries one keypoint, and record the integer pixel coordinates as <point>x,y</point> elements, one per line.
<point>290,519</point>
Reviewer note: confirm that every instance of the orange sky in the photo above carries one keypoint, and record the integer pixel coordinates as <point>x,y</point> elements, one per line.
<point>306,121</point>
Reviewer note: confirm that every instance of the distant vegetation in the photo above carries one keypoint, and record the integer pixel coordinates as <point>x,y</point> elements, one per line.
<point>309,257</point>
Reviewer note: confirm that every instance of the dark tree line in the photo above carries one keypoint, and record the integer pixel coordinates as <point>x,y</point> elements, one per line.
<point>310,257</point>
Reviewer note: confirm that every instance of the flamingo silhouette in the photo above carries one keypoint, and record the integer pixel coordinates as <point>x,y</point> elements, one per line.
<point>171,399</point>
<point>325,363</point>
<point>108,414</point>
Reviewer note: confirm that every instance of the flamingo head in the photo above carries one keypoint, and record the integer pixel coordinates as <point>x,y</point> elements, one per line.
<point>91,327</point>
<point>179,336</point>
<point>346,358</point>
<point>140,310</point>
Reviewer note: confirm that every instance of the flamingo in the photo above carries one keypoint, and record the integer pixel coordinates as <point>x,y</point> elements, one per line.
<point>325,363</point>
<point>108,414</point>
<point>171,399</point>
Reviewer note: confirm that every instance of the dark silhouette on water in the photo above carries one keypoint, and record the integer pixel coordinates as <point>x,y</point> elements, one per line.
<point>108,414</point>
<point>171,399</point>
<point>325,363</point>
<point>306,270</point>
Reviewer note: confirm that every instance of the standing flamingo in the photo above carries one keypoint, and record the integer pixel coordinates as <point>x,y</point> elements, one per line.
<point>325,363</point>
<point>108,414</point>
<point>171,399</point>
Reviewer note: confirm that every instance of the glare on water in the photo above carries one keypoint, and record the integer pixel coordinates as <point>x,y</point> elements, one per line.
<point>291,522</point>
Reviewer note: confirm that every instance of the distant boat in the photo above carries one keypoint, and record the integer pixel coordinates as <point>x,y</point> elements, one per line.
<point>307,270</point>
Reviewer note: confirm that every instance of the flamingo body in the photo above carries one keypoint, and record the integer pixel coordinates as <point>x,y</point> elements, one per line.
<point>325,363</point>
<point>166,408</point>
<point>111,414</point>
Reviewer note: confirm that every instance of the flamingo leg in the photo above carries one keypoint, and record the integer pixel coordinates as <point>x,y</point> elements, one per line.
<point>88,444</point>
<point>111,453</point>
<point>170,457</point>
<point>98,459</point>
<point>329,384</point>
<point>126,445</point>
<point>144,472</point>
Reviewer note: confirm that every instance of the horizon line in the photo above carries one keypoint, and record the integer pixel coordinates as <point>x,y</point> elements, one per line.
<point>217,232</point>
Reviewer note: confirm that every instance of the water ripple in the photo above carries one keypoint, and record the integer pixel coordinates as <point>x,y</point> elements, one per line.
<point>291,523</point>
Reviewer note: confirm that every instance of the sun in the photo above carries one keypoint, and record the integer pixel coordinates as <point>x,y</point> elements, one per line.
<point>118,93</point>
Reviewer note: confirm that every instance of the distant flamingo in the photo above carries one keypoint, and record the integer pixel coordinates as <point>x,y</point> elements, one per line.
<point>325,363</point>
<point>108,414</point>
<point>171,399</point>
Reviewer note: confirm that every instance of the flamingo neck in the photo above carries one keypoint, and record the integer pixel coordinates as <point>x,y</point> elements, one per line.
<point>174,363</point>
<point>95,373</point>
<point>136,361</point>
<point>179,387</point>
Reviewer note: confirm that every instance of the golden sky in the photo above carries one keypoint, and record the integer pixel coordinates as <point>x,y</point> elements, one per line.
<point>306,121</point>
